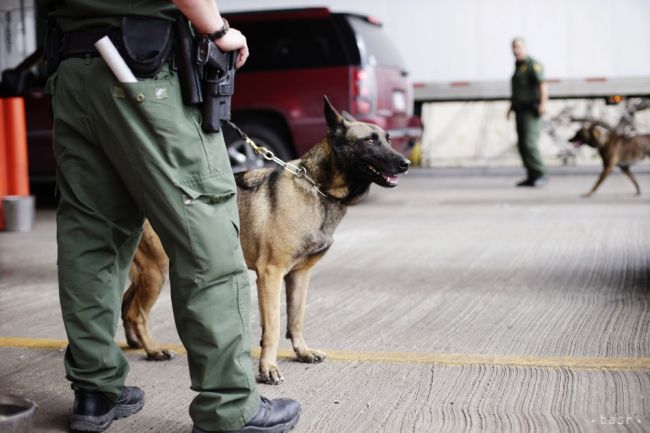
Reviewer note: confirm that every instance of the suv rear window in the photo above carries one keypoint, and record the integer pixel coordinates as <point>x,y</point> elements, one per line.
<point>379,49</point>
<point>290,44</point>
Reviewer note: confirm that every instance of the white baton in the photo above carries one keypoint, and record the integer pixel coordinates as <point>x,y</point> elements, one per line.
<point>114,61</point>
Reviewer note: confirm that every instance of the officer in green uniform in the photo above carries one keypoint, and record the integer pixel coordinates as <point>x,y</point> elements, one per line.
<point>129,151</point>
<point>529,96</point>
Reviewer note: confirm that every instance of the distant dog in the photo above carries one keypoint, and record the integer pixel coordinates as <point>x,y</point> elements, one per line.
<point>344,164</point>
<point>614,149</point>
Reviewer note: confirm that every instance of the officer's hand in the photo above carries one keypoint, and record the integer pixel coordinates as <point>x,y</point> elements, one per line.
<point>541,109</point>
<point>234,40</point>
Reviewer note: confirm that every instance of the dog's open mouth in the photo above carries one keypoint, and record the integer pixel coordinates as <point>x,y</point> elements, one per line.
<point>389,179</point>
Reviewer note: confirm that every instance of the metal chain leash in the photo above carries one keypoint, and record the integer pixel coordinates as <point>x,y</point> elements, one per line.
<point>299,172</point>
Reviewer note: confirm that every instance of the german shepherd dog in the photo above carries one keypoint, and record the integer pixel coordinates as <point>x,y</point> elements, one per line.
<point>286,228</point>
<point>614,149</point>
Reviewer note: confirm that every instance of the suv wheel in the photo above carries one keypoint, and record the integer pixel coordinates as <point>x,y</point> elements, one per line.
<point>243,157</point>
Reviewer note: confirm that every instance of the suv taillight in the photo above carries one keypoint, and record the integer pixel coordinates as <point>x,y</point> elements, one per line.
<point>363,92</point>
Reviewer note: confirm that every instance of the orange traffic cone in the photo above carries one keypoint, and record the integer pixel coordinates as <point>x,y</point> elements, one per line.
<point>3,163</point>
<point>16,146</point>
<point>14,173</point>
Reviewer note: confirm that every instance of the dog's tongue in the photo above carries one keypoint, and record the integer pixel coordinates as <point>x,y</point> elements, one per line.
<point>393,180</point>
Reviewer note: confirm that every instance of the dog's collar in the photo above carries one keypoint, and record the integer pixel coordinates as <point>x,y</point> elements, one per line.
<point>302,173</point>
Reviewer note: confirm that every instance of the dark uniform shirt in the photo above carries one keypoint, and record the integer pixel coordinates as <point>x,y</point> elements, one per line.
<point>81,14</point>
<point>529,73</point>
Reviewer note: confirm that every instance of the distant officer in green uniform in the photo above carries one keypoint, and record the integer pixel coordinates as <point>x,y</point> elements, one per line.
<point>129,151</point>
<point>529,97</point>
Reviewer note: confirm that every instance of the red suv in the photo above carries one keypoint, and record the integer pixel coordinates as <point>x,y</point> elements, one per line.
<point>299,55</point>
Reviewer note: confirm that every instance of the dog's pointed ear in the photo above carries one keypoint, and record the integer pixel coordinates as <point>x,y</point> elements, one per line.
<point>600,134</point>
<point>335,122</point>
<point>347,116</point>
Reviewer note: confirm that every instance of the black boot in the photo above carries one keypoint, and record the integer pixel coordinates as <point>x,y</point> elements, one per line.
<point>534,182</point>
<point>526,182</point>
<point>94,412</point>
<point>273,416</point>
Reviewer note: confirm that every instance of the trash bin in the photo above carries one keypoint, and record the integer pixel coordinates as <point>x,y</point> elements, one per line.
<point>15,414</point>
<point>18,212</point>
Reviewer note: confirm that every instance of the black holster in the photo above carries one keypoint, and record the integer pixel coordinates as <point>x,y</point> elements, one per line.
<point>207,76</point>
<point>52,46</point>
<point>188,73</point>
<point>218,83</point>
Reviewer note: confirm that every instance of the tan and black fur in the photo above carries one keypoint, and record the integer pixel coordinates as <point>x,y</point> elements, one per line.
<point>614,149</point>
<point>286,228</point>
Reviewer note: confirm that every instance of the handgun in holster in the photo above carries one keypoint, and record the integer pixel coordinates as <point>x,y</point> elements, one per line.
<point>207,75</point>
<point>218,78</point>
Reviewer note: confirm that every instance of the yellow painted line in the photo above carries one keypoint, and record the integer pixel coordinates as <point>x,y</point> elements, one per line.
<point>395,357</point>
<point>33,343</point>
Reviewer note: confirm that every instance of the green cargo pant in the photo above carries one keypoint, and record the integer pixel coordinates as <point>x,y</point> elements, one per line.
<point>528,125</point>
<point>129,151</point>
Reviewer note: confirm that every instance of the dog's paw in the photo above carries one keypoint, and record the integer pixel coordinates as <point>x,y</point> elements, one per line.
<point>311,356</point>
<point>270,375</point>
<point>160,355</point>
<point>586,195</point>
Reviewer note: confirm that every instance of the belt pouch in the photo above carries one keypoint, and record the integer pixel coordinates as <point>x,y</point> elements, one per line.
<point>147,44</point>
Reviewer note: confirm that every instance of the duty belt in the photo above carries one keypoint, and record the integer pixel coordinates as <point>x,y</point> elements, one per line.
<point>145,44</point>
<point>82,43</point>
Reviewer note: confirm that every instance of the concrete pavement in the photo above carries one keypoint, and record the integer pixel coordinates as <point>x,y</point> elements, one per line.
<point>450,304</point>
